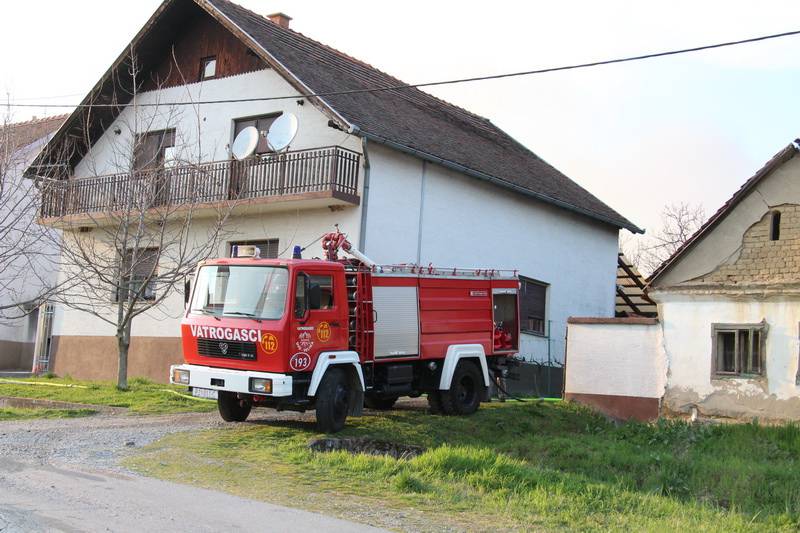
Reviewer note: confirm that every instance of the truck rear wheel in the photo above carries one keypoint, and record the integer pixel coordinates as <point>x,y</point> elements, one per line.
<point>333,401</point>
<point>231,408</point>
<point>380,404</point>
<point>466,390</point>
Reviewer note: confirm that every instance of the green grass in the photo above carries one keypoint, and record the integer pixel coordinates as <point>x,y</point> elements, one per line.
<point>531,466</point>
<point>13,413</point>
<point>142,397</point>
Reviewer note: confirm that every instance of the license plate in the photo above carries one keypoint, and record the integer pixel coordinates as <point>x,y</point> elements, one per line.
<point>204,393</point>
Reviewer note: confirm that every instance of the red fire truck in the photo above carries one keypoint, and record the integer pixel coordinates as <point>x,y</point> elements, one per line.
<point>337,334</point>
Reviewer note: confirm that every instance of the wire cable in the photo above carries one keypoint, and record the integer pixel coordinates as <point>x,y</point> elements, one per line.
<point>440,83</point>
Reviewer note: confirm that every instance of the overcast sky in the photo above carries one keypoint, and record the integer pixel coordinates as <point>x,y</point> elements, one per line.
<point>638,135</point>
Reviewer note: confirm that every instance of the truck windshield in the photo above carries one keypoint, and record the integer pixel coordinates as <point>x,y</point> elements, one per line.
<point>241,291</point>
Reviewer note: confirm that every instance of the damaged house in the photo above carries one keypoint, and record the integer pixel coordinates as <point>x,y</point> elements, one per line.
<point>727,340</point>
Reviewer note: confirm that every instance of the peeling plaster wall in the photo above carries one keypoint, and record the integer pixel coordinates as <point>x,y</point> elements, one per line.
<point>723,244</point>
<point>687,327</point>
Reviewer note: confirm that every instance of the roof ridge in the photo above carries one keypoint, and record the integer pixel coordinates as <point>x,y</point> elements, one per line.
<point>361,62</point>
<point>34,121</point>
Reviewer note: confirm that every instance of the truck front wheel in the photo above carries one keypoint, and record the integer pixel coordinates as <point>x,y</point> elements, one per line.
<point>231,408</point>
<point>466,390</point>
<point>333,400</point>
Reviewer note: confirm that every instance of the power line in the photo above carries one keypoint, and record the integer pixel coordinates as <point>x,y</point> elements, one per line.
<point>446,82</point>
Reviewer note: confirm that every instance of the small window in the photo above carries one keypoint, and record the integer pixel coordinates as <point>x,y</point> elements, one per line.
<point>208,67</point>
<point>775,226</point>
<point>532,306</point>
<point>739,349</point>
<point>139,267</point>
<point>268,247</point>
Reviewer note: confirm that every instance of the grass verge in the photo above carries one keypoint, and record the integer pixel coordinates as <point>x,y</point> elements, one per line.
<point>142,397</point>
<point>532,466</point>
<point>13,413</point>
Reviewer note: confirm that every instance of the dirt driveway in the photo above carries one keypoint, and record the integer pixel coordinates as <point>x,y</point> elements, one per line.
<point>64,475</point>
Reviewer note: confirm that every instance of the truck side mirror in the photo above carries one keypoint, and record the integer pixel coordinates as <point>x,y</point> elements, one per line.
<point>187,292</point>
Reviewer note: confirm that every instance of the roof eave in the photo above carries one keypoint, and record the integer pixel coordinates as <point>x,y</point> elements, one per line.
<point>496,181</point>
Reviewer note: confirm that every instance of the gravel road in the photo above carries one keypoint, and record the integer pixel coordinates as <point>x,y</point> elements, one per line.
<point>64,475</point>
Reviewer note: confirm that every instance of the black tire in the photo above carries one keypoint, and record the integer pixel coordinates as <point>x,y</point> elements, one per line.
<point>333,400</point>
<point>379,404</point>
<point>466,390</point>
<point>231,408</point>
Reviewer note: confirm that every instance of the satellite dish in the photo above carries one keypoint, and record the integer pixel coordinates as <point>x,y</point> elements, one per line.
<point>282,131</point>
<point>245,143</point>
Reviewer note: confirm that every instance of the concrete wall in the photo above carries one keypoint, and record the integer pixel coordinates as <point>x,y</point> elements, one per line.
<point>424,213</point>
<point>616,365</point>
<point>688,320</point>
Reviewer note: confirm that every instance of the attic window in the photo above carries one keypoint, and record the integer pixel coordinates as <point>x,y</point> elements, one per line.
<point>208,67</point>
<point>775,226</point>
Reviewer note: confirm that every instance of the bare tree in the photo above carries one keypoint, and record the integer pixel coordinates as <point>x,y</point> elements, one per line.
<point>143,211</point>
<point>678,223</point>
<point>27,263</point>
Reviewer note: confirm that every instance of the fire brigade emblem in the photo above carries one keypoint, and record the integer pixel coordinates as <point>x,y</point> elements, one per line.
<point>304,342</point>
<point>323,331</point>
<point>269,343</point>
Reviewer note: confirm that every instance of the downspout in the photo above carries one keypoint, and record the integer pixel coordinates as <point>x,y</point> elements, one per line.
<point>362,234</point>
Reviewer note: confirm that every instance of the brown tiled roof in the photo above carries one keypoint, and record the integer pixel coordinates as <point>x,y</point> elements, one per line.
<point>777,160</point>
<point>414,120</point>
<point>20,134</point>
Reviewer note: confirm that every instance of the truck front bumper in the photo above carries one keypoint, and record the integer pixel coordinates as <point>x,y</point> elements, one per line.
<point>206,377</point>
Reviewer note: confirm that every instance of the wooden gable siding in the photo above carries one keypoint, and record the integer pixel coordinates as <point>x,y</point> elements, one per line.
<point>200,37</point>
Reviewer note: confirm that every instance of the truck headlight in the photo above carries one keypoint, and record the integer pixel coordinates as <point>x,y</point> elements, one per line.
<point>180,377</point>
<point>264,386</point>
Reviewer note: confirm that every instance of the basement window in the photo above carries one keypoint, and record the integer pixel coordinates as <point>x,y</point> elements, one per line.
<point>775,226</point>
<point>738,349</point>
<point>208,68</point>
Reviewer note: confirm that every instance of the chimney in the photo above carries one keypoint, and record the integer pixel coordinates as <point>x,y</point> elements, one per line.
<point>281,19</point>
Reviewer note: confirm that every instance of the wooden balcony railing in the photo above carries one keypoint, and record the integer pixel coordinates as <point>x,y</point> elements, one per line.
<point>331,170</point>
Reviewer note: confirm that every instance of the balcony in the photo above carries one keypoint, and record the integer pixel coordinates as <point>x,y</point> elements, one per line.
<point>312,178</point>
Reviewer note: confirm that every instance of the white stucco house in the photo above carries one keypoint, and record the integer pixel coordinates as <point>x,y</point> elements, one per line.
<point>409,177</point>
<point>22,276</point>
<point>726,342</point>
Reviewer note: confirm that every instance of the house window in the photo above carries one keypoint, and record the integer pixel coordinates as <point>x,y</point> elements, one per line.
<point>208,67</point>
<point>137,272</point>
<point>150,149</point>
<point>268,248</point>
<point>262,124</point>
<point>738,349</point>
<point>775,226</point>
<point>532,306</point>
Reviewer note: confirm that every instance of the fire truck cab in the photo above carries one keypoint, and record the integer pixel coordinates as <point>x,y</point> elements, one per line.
<point>333,335</point>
